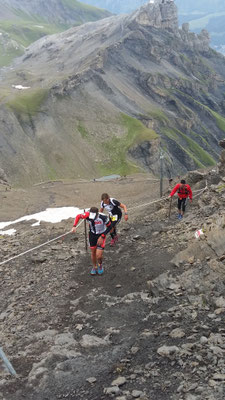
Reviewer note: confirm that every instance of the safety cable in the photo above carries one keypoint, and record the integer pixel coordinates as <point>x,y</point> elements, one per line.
<point>38,247</point>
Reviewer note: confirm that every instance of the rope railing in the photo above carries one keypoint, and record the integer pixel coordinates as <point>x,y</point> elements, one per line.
<point>67,233</point>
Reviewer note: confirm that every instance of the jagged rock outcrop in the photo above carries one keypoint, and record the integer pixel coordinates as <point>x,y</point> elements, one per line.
<point>160,14</point>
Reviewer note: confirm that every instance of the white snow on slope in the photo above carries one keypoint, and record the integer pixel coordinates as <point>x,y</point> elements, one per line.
<point>52,215</point>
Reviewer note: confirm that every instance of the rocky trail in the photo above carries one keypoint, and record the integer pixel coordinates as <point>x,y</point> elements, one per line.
<point>152,327</point>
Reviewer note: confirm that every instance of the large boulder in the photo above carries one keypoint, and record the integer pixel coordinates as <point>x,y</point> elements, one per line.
<point>194,177</point>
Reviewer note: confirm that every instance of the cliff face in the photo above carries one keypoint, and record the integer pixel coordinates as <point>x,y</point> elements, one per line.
<point>105,96</point>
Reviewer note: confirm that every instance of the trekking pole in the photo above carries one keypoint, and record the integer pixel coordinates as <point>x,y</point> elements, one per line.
<point>7,362</point>
<point>85,234</point>
<point>170,206</point>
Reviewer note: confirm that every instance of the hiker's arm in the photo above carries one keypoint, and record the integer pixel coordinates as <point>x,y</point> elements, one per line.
<point>190,194</point>
<point>85,215</point>
<point>175,189</point>
<point>124,207</point>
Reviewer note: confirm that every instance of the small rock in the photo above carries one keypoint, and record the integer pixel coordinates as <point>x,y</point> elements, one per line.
<point>167,351</point>
<point>219,377</point>
<point>137,237</point>
<point>134,350</point>
<point>92,341</point>
<point>137,393</point>
<point>91,380</point>
<point>119,381</point>
<point>203,340</point>
<point>112,390</point>
<point>177,333</point>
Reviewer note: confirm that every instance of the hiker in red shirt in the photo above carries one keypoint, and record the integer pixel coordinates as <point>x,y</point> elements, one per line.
<point>183,191</point>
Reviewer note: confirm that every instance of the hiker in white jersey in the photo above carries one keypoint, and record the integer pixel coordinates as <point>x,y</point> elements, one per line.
<point>113,207</point>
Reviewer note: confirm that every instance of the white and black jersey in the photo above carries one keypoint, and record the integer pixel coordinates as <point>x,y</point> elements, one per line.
<point>113,207</point>
<point>99,224</point>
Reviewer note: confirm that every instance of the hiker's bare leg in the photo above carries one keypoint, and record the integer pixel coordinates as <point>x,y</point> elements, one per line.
<point>93,257</point>
<point>99,256</point>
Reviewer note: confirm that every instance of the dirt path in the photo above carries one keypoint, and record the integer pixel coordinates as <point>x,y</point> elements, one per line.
<point>130,190</point>
<point>54,292</point>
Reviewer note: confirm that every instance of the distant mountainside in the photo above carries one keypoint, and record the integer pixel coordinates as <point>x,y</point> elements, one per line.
<point>117,6</point>
<point>108,96</point>
<point>24,21</point>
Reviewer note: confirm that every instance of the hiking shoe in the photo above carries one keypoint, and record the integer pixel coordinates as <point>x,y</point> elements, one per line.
<point>100,269</point>
<point>94,271</point>
<point>113,242</point>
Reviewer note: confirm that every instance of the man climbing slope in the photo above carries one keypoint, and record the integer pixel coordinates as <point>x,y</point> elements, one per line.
<point>184,191</point>
<point>113,207</point>
<point>99,226</point>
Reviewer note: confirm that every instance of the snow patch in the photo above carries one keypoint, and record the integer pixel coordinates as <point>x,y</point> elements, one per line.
<point>20,87</point>
<point>9,232</point>
<point>53,215</point>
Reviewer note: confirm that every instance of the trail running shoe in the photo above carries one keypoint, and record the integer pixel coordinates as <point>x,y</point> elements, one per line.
<point>180,217</point>
<point>94,271</point>
<point>116,238</point>
<point>100,269</point>
<point>113,242</point>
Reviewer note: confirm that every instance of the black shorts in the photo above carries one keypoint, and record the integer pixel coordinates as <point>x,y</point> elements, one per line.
<point>182,204</point>
<point>93,239</point>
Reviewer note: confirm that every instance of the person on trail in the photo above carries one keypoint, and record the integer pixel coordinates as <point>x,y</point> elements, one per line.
<point>99,226</point>
<point>113,207</point>
<point>184,191</point>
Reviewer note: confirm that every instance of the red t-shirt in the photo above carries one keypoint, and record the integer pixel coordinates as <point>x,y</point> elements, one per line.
<point>183,191</point>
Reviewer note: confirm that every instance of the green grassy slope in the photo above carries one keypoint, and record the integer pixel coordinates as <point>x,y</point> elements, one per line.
<point>22,28</point>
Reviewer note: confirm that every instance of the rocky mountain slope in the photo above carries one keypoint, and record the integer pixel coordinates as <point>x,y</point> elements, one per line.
<point>104,97</point>
<point>23,21</point>
<point>152,327</point>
